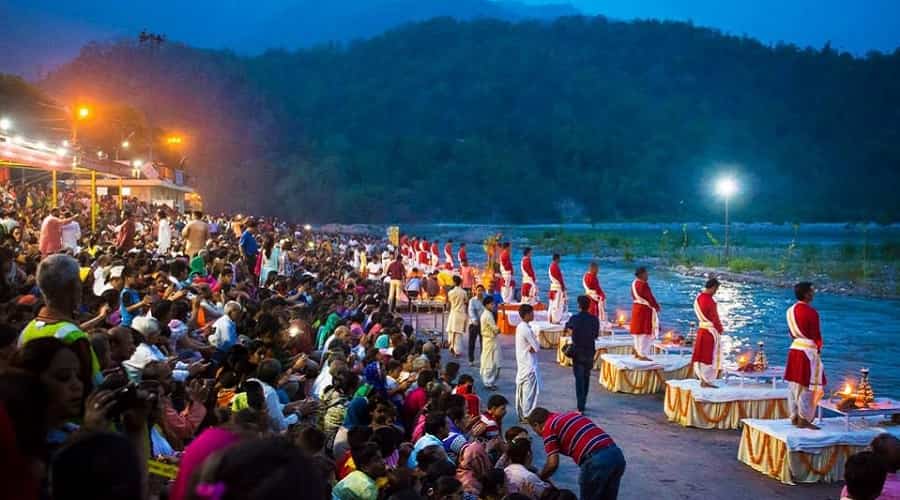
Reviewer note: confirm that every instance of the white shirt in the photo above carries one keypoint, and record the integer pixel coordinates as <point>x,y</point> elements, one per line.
<point>224,333</point>
<point>526,360</point>
<point>71,233</point>
<point>164,237</point>
<point>275,409</point>
<point>144,354</point>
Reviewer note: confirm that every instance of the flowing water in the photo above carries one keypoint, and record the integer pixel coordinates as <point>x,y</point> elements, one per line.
<point>858,332</point>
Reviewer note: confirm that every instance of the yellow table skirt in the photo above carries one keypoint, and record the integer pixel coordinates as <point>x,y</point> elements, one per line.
<point>681,407</point>
<point>765,453</point>
<point>564,360</point>
<point>640,381</point>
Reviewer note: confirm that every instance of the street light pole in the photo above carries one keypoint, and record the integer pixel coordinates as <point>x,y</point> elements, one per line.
<point>725,187</point>
<point>727,228</point>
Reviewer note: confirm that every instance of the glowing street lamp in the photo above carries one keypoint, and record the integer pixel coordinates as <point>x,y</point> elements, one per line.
<point>5,124</point>
<point>726,187</point>
<point>83,112</point>
<point>174,140</point>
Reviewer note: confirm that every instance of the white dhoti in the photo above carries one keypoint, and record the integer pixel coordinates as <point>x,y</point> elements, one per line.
<point>490,362</point>
<point>557,306</point>
<point>527,391</point>
<point>643,344</point>
<point>705,373</point>
<point>803,401</point>
<point>506,291</point>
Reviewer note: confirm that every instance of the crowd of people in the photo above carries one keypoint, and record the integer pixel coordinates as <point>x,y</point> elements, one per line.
<point>187,356</point>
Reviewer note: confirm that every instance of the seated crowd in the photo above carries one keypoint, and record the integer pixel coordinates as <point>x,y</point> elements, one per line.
<point>232,359</point>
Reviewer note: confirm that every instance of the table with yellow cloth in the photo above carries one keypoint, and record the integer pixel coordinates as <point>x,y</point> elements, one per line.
<point>508,319</point>
<point>547,333</point>
<point>781,451</point>
<point>625,373</point>
<point>690,405</point>
<point>609,344</point>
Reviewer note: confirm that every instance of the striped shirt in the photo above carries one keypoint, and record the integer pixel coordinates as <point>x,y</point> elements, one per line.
<point>573,435</point>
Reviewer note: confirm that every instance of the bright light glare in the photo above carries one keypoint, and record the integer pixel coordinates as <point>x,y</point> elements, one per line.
<point>65,143</point>
<point>84,112</point>
<point>5,124</point>
<point>137,163</point>
<point>40,145</point>
<point>19,140</point>
<point>125,144</point>
<point>726,187</point>
<point>99,154</point>
<point>307,227</point>
<point>60,152</point>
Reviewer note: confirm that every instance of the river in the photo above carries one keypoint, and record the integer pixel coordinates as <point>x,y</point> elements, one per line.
<point>858,332</point>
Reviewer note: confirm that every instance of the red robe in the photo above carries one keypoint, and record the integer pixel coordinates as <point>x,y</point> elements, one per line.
<point>506,261</point>
<point>527,270</point>
<point>423,253</point>
<point>462,256</point>
<point>705,345</point>
<point>798,368</point>
<point>556,274</point>
<point>641,315</point>
<point>590,282</point>
<point>434,252</point>
<point>448,256</point>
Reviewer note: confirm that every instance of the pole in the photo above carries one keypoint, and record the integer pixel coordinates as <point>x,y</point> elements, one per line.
<point>53,200</point>
<point>93,201</point>
<point>120,193</point>
<point>727,227</point>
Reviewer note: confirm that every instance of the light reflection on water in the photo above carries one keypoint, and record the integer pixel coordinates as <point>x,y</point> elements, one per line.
<point>858,332</point>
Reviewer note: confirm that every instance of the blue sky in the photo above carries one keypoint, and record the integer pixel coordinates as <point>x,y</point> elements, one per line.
<point>856,26</point>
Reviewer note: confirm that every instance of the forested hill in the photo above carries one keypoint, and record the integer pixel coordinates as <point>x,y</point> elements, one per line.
<point>579,119</point>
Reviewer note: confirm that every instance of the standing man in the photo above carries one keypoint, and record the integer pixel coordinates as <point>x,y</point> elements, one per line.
<point>584,328</point>
<point>71,234</point>
<point>195,234</point>
<point>462,255</point>
<point>397,273</point>
<point>528,380</point>
<point>707,357</point>
<point>506,272</point>
<point>164,234</point>
<point>557,291</point>
<point>125,232</point>
<point>456,321</point>
<point>644,315</point>
<point>435,259</point>
<point>249,246</point>
<point>51,233</point>
<point>593,291</point>
<point>490,351</point>
<point>601,462</point>
<point>529,279</point>
<point>448,255</point>
<point>423,255</point>
<point>476,308</point>
<point>804,372</point>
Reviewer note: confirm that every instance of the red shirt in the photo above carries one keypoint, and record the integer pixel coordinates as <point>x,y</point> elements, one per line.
<point>573,435</point>
<point>396,270</point>
<point>506,260</point>
<point>413,404</point>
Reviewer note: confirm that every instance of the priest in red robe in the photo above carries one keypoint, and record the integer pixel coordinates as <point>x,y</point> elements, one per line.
<point>435,257</point>
<point>557,303</point>
<point>592,289</point>
<point>707,356</point>
<point>529,279</point>
<point>804,372</point>
<point>448,255</point>
<point>423,254</point>
<point>506,272</point>
<point>461,255</point>
<point>644,315</point>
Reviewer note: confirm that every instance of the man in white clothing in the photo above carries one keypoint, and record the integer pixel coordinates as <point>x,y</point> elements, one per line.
<point>164,235</point>
<point>528,380</point>
<point>70,234</point>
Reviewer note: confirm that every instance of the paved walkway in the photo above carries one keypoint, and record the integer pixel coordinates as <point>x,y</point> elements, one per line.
<point>665,460</point>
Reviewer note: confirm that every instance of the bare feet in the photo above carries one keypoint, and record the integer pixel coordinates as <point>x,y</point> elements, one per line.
<point>708,385</point>
<point>805,424</point>
<point>795,420</point>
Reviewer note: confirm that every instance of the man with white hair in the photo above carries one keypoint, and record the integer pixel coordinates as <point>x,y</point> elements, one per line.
<point>224,333</point>
<point>147,351</point>
<point>60,284</point>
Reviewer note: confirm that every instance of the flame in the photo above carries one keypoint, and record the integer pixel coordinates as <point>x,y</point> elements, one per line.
<point>669,335</point>
<point>620,319</point>
<point>848,390</point>
<point>742,360</point>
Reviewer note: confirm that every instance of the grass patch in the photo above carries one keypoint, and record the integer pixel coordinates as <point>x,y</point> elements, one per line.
<point>747,264</point>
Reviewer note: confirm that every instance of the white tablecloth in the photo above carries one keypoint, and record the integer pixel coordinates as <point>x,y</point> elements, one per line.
<point>666,362</point>
<point>608,341</point>
<point>731,391</point>
<point>547,333</point>
<point>832,433</point>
